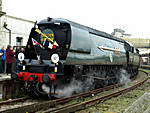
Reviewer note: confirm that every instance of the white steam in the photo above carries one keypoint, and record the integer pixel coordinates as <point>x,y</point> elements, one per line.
<point>87,83</point>
<point>76,86</point>
<point>124,77</point>
<point>46,88</point>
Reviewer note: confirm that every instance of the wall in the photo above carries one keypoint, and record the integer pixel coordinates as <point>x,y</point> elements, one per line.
<point>139,42</point>
<point>19,28</point>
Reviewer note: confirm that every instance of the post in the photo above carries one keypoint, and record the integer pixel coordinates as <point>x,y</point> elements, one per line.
<point>9,35</point>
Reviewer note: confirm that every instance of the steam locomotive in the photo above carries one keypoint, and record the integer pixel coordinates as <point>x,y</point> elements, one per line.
<point>59,50</point>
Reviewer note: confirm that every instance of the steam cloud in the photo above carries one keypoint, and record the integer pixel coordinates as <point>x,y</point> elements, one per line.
<point>124,77</point>
<point>78,86</point>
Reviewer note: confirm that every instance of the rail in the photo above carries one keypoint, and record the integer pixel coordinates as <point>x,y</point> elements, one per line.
<point>83,105</point>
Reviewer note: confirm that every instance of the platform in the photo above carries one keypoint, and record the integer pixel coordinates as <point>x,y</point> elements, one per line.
<point>142,105</point>
<point>145,66</point>
<point>4,80</point>
<point>4,77</point>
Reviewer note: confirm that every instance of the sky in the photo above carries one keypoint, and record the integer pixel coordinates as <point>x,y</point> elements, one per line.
<point>133,16</point>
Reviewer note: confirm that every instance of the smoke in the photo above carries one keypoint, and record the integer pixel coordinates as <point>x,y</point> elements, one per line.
<point>46,88</point>
<point>76,86</point>
<point>87,83</point>
<point>124,77</point>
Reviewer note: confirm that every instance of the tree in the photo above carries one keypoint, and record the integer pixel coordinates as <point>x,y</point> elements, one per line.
<point>5,25</point>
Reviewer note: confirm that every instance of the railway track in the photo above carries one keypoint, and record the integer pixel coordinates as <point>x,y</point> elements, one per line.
<point>37,106</point>
<point>85,104</point>
<point>13,101</point>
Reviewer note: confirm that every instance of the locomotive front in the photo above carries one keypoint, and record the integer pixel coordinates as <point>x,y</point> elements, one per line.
<point>44,58</point>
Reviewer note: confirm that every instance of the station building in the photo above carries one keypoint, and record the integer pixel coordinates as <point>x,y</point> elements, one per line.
<point>16,32</point>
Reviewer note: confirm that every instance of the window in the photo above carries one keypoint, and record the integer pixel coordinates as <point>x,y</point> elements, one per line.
<point>19,41</point>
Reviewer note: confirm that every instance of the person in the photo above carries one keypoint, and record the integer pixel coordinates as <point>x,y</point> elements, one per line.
<point>16,56</point>
<point>3,58</point>
<point>30,53</point>
<point>10,59</point>
<point>22,50</point>
<point>0,64</point>
<point>17,52</point>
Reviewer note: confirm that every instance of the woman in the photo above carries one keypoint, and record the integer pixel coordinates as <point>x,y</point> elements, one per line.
<point>10,59</point>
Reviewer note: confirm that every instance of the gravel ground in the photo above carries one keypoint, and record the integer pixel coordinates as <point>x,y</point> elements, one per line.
<point>120,103</point>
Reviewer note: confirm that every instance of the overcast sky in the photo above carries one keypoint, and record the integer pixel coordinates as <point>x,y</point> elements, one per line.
<point>133,16</point>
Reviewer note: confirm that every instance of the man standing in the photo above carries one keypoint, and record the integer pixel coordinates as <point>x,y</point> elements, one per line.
<point>3,58</point>
<point>16,55</point>
<point>22,50</point>
<point>10,59</point>
<point>17,52</point>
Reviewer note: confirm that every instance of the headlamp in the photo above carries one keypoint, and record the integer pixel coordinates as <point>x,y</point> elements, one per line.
<point>55,58</point>
<point>21,56</point>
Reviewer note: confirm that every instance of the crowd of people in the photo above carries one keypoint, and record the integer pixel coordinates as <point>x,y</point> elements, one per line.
<point>9,58</point>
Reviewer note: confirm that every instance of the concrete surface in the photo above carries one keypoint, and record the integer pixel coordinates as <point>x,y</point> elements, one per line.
<point>142,105</point>
<point>3,78</point>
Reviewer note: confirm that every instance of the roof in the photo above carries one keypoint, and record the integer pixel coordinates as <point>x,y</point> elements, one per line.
<point>90,30</point>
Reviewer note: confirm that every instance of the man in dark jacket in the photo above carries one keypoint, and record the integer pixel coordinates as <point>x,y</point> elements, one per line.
<point>10,59</point>
<point>16,55</point>
<point>17,52</point>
